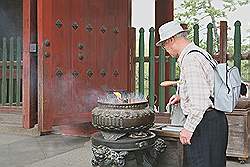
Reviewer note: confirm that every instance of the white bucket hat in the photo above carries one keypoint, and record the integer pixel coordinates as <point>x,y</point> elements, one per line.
<point>168,30</point>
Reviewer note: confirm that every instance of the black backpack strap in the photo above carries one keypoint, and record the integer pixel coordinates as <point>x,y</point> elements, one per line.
<point>213,66</point>
<point>210,62</point>
<point>207,57</point>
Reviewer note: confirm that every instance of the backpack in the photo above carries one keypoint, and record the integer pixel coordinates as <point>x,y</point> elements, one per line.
<point>227,84</point>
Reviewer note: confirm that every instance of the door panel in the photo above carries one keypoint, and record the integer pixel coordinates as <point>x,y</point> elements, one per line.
<point>83,51</point>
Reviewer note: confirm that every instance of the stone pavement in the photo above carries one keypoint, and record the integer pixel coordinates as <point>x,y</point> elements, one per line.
<point>45,151</point>
<point>52,151</point>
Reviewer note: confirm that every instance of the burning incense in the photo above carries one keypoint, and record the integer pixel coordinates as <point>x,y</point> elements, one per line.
<point>170,83</point>
<point>119,97</point>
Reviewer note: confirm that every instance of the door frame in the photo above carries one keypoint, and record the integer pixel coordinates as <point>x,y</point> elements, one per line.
<point>29,82</point>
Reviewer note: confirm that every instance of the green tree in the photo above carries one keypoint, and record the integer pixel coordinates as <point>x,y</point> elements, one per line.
<point>195,11</point>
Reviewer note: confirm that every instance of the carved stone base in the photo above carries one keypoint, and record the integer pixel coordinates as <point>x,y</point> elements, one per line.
<point>106,157</point>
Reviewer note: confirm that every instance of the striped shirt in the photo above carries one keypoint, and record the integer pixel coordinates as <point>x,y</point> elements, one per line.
<point>197,84</point>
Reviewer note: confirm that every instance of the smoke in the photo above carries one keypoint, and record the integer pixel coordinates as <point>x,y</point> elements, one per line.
<point>67,95</point>
<point>126,97</point>
<point>90,98</point>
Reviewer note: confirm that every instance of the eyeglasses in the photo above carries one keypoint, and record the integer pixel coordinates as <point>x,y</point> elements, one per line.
<point>166,42</point>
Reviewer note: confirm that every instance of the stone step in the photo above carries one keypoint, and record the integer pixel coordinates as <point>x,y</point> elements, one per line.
<point>18,130</point>
<point>11,123</point>
<point>11,118</point>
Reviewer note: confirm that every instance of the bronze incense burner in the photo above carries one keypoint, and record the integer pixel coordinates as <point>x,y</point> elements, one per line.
<point>124,139</point>
<point>123,117</point>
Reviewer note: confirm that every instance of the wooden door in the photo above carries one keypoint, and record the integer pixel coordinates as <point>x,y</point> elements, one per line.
<point>83,51</point>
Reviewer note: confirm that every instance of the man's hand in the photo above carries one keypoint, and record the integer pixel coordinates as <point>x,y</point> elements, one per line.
<point>185,136</point>
<point>174,99</point>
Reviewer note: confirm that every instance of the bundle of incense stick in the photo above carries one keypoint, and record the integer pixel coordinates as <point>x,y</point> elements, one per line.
<point>119,97</point>
<point>170,83</point>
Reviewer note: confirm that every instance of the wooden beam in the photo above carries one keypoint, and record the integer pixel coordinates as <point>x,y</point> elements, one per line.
<point>245,56</point>
<point>29,64</point>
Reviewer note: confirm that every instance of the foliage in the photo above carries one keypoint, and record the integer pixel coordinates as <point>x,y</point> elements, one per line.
<point>194,12</point>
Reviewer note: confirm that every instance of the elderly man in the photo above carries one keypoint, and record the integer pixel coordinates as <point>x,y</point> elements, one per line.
<point>205,131</point>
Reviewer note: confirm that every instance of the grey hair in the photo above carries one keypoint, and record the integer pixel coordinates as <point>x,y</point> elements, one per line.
<point>182,34</point>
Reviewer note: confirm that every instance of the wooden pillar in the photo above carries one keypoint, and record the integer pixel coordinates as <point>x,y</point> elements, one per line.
<point>29,63</point>
<point>132,56</point>
<point>223,42</point>
<point>164,12</point>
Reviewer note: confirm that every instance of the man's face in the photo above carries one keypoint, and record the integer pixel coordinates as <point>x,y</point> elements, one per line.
<point>169,47</point>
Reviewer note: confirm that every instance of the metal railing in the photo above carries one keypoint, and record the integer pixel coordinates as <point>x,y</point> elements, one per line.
<point>11,72</point>
<point>141,60</point>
